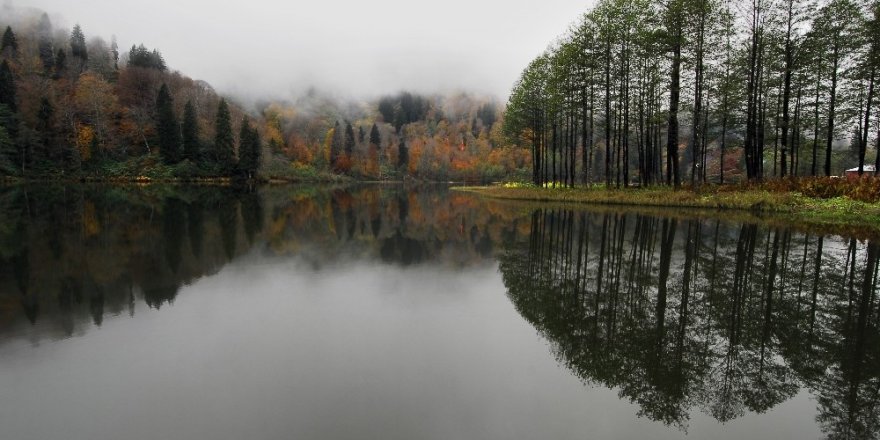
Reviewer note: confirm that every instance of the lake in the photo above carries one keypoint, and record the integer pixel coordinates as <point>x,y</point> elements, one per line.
<point>168,312</point>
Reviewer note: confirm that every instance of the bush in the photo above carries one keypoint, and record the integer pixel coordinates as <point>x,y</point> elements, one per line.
<point>864,189</point>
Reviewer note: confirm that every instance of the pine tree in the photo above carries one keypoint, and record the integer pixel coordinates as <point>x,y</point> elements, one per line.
<point>47,53</point>
<point>249,148</point>
<point>60,63</point>
<point>15,153</point>
<point>140,56</point>
<point>336,147</point>
<point>7,87</point>
<point>7,150</point>
<point>78,44</point>
<point>44,120</point>
<point>224,143</point>
<point>167,128</point>
<point>190,132</point>
<point>349,139</point>
<point>375,137</point>
<point>9,45</point>
<point>402,155</point>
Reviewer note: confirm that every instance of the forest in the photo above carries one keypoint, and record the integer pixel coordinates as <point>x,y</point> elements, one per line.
<point>78,107</point>
<point>702,91</point>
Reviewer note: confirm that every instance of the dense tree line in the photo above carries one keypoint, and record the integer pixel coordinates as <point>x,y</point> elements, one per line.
<point>401,136</point>
<point>73,106</point>
<point>707,90</point>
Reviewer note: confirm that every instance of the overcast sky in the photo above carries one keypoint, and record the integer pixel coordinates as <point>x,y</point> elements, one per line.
<point>362,48</point>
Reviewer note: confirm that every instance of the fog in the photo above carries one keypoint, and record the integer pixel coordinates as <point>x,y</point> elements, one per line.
<point>277,49</point>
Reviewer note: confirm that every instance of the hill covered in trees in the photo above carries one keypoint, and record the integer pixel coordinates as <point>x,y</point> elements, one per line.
<point>76,106</point>
<point>707,90</point>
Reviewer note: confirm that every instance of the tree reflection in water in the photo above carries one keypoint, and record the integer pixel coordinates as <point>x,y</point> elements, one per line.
<point>678,315</point>
<point>69,255</point>
<point>704,315</point>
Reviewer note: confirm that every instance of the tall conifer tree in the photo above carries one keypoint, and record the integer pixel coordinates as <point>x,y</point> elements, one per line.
<point>167,127</point>
<point>190,132</point>
<point>224,143</point>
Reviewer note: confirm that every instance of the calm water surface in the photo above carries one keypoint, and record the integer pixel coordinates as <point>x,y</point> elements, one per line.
<point>382,312</point>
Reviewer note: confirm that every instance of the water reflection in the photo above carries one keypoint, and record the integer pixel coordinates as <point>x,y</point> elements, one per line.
<point>684,315</point>
<point>679,316</point>
<point>70,255</point>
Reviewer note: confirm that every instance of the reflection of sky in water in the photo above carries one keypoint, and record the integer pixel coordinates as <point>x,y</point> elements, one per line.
<point>372,314</point>
<point>272,349</point>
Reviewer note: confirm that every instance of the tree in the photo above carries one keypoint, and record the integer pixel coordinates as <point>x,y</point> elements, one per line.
<point>249,148</point>
<point>46,130</point>
<point>114,52</point>
<point>190,132</point>
<point>167,128</point>
<point>7,87</point>
<point>9,44</point>
<point>869,68</point>
<point>44,44</point>
<point>95,106</point>
<point>140,56</point>
<point>335,147</point>
<point>836,26</point>
<point>794,13</point>
<point>375,137</point>
<point>402,156</point>
<point>224,143</point>
<point>78,48</point>
<point>60,64</point>
<point>348,145</point>
<point>7,150</point>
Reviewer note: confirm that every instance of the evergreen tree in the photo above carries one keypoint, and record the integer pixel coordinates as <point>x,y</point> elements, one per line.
<point>9,45</point>
<point>140,56</point>
<point>336,147</point>
<point>7,87</point>
<point>349,139</point>
<point>249,148</point>
<point>167,128</point>
<point>60,63</point>
<point>78,44</point>
<point>7,149</point>
<point>45,128</point>
<point>15,153</point>
<point>190,132</point>
<point>361,134</point>
<point>375,137</point>
<point>44,44</point>
<point>402,155</point>
<point>224,143</point>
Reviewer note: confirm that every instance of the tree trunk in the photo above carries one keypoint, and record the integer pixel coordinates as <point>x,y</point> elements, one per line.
<point>674,94</point>
<point>863,142</point>
<point>830,137</point>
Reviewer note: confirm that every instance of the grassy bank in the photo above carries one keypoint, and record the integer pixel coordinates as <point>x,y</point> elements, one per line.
<point>833,214</point>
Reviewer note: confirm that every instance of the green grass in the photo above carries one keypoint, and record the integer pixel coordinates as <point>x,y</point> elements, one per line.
<point>831,215</point>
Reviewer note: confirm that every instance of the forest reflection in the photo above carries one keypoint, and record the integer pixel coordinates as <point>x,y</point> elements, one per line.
<point>684,315</point>
<point>71,255</point>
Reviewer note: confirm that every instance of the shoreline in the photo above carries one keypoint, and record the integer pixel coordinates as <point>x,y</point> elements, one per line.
<point>831,215</point>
